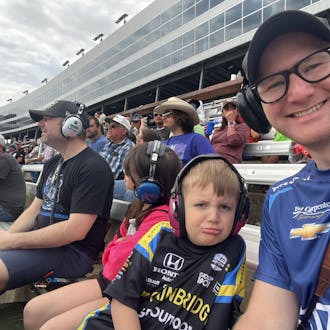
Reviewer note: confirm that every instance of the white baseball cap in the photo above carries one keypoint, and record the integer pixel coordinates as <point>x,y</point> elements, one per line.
<point>120,120</point>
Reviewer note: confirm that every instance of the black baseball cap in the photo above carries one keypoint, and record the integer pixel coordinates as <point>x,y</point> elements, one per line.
<point>279,24</point>
<point>59,109</point>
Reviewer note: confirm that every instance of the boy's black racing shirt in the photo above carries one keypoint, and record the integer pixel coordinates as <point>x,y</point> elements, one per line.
<point>173,283</point>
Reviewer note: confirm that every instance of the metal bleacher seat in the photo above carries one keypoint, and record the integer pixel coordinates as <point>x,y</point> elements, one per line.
<point>266,148</point>
<point>267,174</point>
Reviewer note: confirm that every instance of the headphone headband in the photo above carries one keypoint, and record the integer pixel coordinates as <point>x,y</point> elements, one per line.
<point>75,123</point>
<point>177,212</point>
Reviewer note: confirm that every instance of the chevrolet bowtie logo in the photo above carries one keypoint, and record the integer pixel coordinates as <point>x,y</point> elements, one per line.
<point>309,231</point>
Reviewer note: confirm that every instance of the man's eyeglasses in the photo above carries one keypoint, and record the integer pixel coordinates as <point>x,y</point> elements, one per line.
<point>157,114</point>
<point>313,68</point>
<point>167,114</point>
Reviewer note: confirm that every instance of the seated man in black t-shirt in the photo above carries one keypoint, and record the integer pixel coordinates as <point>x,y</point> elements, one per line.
<point>63,230</point>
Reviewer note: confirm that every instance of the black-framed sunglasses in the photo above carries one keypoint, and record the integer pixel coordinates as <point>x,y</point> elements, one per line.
<point>313,68</point>
<point>167,114</point>
<point>113,125</point>
<point>157,114</point>
<point>230,106</point>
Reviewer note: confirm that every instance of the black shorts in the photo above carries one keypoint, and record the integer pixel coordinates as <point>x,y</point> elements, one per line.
<point>27,266</point>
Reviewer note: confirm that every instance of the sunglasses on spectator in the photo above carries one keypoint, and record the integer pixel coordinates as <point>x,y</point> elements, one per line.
<point>167,114</point>
<point>229,106</point>
<point>157,114</point>
<point>114,125</point>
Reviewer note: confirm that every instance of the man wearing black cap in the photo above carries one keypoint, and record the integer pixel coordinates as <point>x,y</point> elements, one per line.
<point>63,230</point>
<point>288,71</point>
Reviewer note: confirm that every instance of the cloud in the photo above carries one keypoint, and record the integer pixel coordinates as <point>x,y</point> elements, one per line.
<point>37,36</point>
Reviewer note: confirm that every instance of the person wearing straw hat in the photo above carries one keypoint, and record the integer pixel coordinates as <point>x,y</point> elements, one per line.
<point>180,117</point>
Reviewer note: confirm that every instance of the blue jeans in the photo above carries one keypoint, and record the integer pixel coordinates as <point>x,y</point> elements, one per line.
<point>5,215</point>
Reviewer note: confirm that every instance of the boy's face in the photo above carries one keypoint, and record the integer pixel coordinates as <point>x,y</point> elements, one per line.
<point>303,114</point>
<point>209,218</point>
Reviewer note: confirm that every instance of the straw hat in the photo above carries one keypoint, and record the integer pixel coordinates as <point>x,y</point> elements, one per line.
<point>175,103</point>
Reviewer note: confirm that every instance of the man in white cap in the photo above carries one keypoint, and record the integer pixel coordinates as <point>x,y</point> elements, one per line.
<point>12,187</point>
<point>119,144</point>
<point>288,69</point>
<point>63,230</point>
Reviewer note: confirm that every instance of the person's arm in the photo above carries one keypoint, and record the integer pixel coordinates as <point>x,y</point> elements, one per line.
<point>269,308</point>
<point>124,317</point>
<point>55,235</point>
<point>26,220</point>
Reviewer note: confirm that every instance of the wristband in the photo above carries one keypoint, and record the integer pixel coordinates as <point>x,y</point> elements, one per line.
<point>231,123</point>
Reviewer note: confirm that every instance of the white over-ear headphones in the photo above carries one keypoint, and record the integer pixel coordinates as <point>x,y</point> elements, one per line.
<point>74,124</point>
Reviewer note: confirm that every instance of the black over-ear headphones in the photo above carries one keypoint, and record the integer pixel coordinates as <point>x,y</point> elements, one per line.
<point>176,206</point>
<point>249,104</point>
<point>149,190</point>
<point>74,124</point>
<point>250,109</point>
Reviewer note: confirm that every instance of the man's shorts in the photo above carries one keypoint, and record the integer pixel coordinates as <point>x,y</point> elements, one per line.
<point>28,266</point>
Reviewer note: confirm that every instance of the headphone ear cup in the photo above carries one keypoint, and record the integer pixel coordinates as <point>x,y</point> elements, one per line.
<point>173,214</point>
<point>177,215</point>
<point>251,110</point>
<point>149,192</point>
<point>71,126</point>
<point>242,213</point>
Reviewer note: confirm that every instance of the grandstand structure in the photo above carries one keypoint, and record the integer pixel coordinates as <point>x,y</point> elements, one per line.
<point>191,48</point>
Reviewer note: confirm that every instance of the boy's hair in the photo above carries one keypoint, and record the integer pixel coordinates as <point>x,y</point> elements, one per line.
<point>200,172</point>
<point>137,166</point>
<point>213,171</point>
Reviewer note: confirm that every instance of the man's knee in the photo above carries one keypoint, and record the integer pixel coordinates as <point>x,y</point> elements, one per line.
<point>4,276</point>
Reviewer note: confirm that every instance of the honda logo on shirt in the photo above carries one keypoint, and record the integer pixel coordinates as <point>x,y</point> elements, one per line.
<point>173,261</point>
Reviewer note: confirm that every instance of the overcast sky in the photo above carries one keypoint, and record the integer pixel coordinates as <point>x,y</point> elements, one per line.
<point>37,36</point>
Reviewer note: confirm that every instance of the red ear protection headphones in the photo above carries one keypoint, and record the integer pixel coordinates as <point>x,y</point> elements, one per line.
<point>176,206</point>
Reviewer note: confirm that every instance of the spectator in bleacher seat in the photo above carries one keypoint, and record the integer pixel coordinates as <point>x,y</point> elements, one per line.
<point>66,307</point>
<point>63,230</point>
<point>11,149</point>
<point>163,131</point>
<point>12,187</point>
<point>229,139</point>
<point>100,116</point>
<point>135,123</point>
<point>95,139</point>
<point>146,134</point>
<point>19,153</point>
<point>180,117</point>
<point>118,146</point>
<point>198,106</point>
<point>191,277</point>
<point>287,70</point>
<point>120,191</point>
